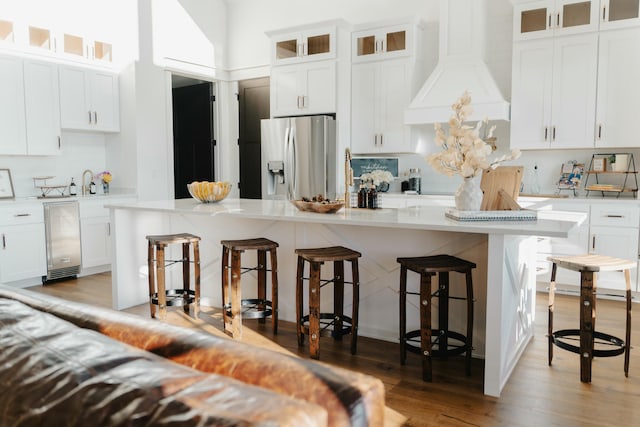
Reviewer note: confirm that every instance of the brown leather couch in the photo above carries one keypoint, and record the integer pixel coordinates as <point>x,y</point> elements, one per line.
<point>70,364</point>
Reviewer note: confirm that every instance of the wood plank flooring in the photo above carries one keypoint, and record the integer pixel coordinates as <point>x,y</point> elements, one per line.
<point>536,394</point>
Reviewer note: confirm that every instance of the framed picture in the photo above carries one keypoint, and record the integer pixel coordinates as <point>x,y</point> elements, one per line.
<point>570,176</point>
<point>6,185</point>
<point>599,164</point>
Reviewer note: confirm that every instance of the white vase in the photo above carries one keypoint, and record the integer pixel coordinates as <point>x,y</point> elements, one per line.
<point>468,196</point>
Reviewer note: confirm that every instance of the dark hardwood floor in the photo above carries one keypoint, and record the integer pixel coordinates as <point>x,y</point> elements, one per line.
<point>536,394</point>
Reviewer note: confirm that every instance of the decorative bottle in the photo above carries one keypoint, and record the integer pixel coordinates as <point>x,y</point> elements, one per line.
<point>372,197</point>
<point>362,196</point>
<point>535,185</point>
<point>415,180</point>
<point>73,190</point>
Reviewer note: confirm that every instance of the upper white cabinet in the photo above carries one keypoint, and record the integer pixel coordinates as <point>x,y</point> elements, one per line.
<point>618,89</point>
<point>89,99</point>
<point>553,93</point>
<point>29,109</point>
<point>302,89</point>
<point>303,44</point>
<point>619,13</point>
<point>386,42</point>
<point>380,94</point>
<point>13,131</point>
<point>82,48</point>
<point>545,18</point>
<point>42,103</point>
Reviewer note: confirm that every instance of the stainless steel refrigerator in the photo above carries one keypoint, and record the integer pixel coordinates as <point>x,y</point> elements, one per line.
<point>62,228</point>
<point>298,157</point>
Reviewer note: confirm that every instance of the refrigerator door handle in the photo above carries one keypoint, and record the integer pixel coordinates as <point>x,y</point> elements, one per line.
<point>291,147</point>
<point>288,170</point>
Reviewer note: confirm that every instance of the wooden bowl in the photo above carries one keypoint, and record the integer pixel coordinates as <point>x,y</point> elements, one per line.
<point>208,192</point>
<point>318,207</point>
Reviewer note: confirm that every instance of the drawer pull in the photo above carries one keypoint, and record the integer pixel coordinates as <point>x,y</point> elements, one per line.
<point>614,216</point>
<point>22,214</point>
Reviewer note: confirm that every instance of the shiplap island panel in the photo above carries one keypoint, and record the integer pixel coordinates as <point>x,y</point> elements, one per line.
<point>505,253</point>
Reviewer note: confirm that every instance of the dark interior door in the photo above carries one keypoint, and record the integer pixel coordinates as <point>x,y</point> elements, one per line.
<point>253,98</point>
<point>193,143</point>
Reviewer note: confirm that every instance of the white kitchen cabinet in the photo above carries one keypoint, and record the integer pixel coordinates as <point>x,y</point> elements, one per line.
<point>77,47</point>
<point>615,14</point>
<point>382,43</point>
<point>303,44</point>
<point>13,131</point>
<point>89,99</point>
<point>619,242</point>
<point>554,92</point>
<point>618,89</point>
<point>545,18</point>
<point>22,245</point>
<point>42,103</point>
<point>95,235</point>
<point>302,89</point>
<point>380,92</point>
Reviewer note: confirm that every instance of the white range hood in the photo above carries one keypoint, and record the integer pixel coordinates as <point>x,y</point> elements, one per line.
<point>461,66</point>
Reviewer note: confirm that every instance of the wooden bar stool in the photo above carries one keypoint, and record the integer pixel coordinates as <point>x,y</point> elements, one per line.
<point>234,308</point>
<point>185,296</point>
<point>316,323</point>
<point>592,343</point>
<point>447,342</point>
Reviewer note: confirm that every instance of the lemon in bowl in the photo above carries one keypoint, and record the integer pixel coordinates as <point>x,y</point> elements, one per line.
<point>209,192</point>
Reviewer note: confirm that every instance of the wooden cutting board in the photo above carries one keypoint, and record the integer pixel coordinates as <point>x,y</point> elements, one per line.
<point>502,178</point>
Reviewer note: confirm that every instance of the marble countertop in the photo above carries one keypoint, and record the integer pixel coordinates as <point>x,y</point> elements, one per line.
<point>549,223</point>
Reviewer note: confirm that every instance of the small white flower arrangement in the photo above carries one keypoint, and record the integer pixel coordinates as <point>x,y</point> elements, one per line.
<point>464,152</point>
<point>377,177</point>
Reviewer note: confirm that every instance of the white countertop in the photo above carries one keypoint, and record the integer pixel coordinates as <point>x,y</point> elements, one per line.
<point>549,223</point>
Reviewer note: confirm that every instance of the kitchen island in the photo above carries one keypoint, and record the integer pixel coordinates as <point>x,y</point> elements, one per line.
<point>504,252</point>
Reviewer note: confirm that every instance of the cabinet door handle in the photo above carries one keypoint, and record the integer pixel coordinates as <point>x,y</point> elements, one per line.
<point>593,242</point>
<point>549,22</point>
<point>4,241</point>
<point>546,132</point>
<point>600,131</point>
<point>381,45</point>
<point>95,117</point>
<point>59,144</point>
<point>304,101</point>
<point>558,20</point>
<point>381,135</point>
<point>22,215</point>
<point>89,116</point>
<point>108,229</point>
<point>604,12</point>
<point>553,134</point>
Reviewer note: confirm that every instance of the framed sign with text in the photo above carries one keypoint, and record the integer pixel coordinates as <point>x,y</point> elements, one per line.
<point>6,185</point>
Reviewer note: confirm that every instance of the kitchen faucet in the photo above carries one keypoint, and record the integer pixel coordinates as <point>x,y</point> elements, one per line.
<point>348,178</point>
<point>86,187</point>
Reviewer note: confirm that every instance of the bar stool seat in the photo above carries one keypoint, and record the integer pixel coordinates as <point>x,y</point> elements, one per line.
<point>446,342</point>
<point>234,307</point>
<point>316,323</point>
<point>156,261</point>
<point>592,343</point>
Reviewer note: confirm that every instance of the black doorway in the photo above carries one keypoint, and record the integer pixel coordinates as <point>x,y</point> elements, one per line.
<point>193,142</point>
<point>253,98</point>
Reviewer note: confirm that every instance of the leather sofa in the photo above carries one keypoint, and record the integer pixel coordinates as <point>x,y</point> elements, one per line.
<point>65,363</point>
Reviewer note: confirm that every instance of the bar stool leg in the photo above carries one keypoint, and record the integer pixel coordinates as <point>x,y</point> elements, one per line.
<point>152,277</point>
<point>196,273</point>
<point>627,342</point>
<point>355,276</point>
<point>262,280</point>
<point>403,315</point>
<point>299,300</point>
<point>162,295</point>
<point>425,325</point>
<point>338,299</point>
<point>274,290</point>
<point>552,297</point>
<point>186,279</point>
<point>225,286</point>
<point>470,302</point>
<point>314,310</point>
<point>443,314</point>
<point>587,323</point>
<point>236,298</point>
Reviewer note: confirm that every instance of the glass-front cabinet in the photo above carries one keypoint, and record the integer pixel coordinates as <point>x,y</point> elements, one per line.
<point>385,42</point>
<point>619,13</point>
<point>554,17</point>
<point>6,32</point>
<point>307,45</point>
